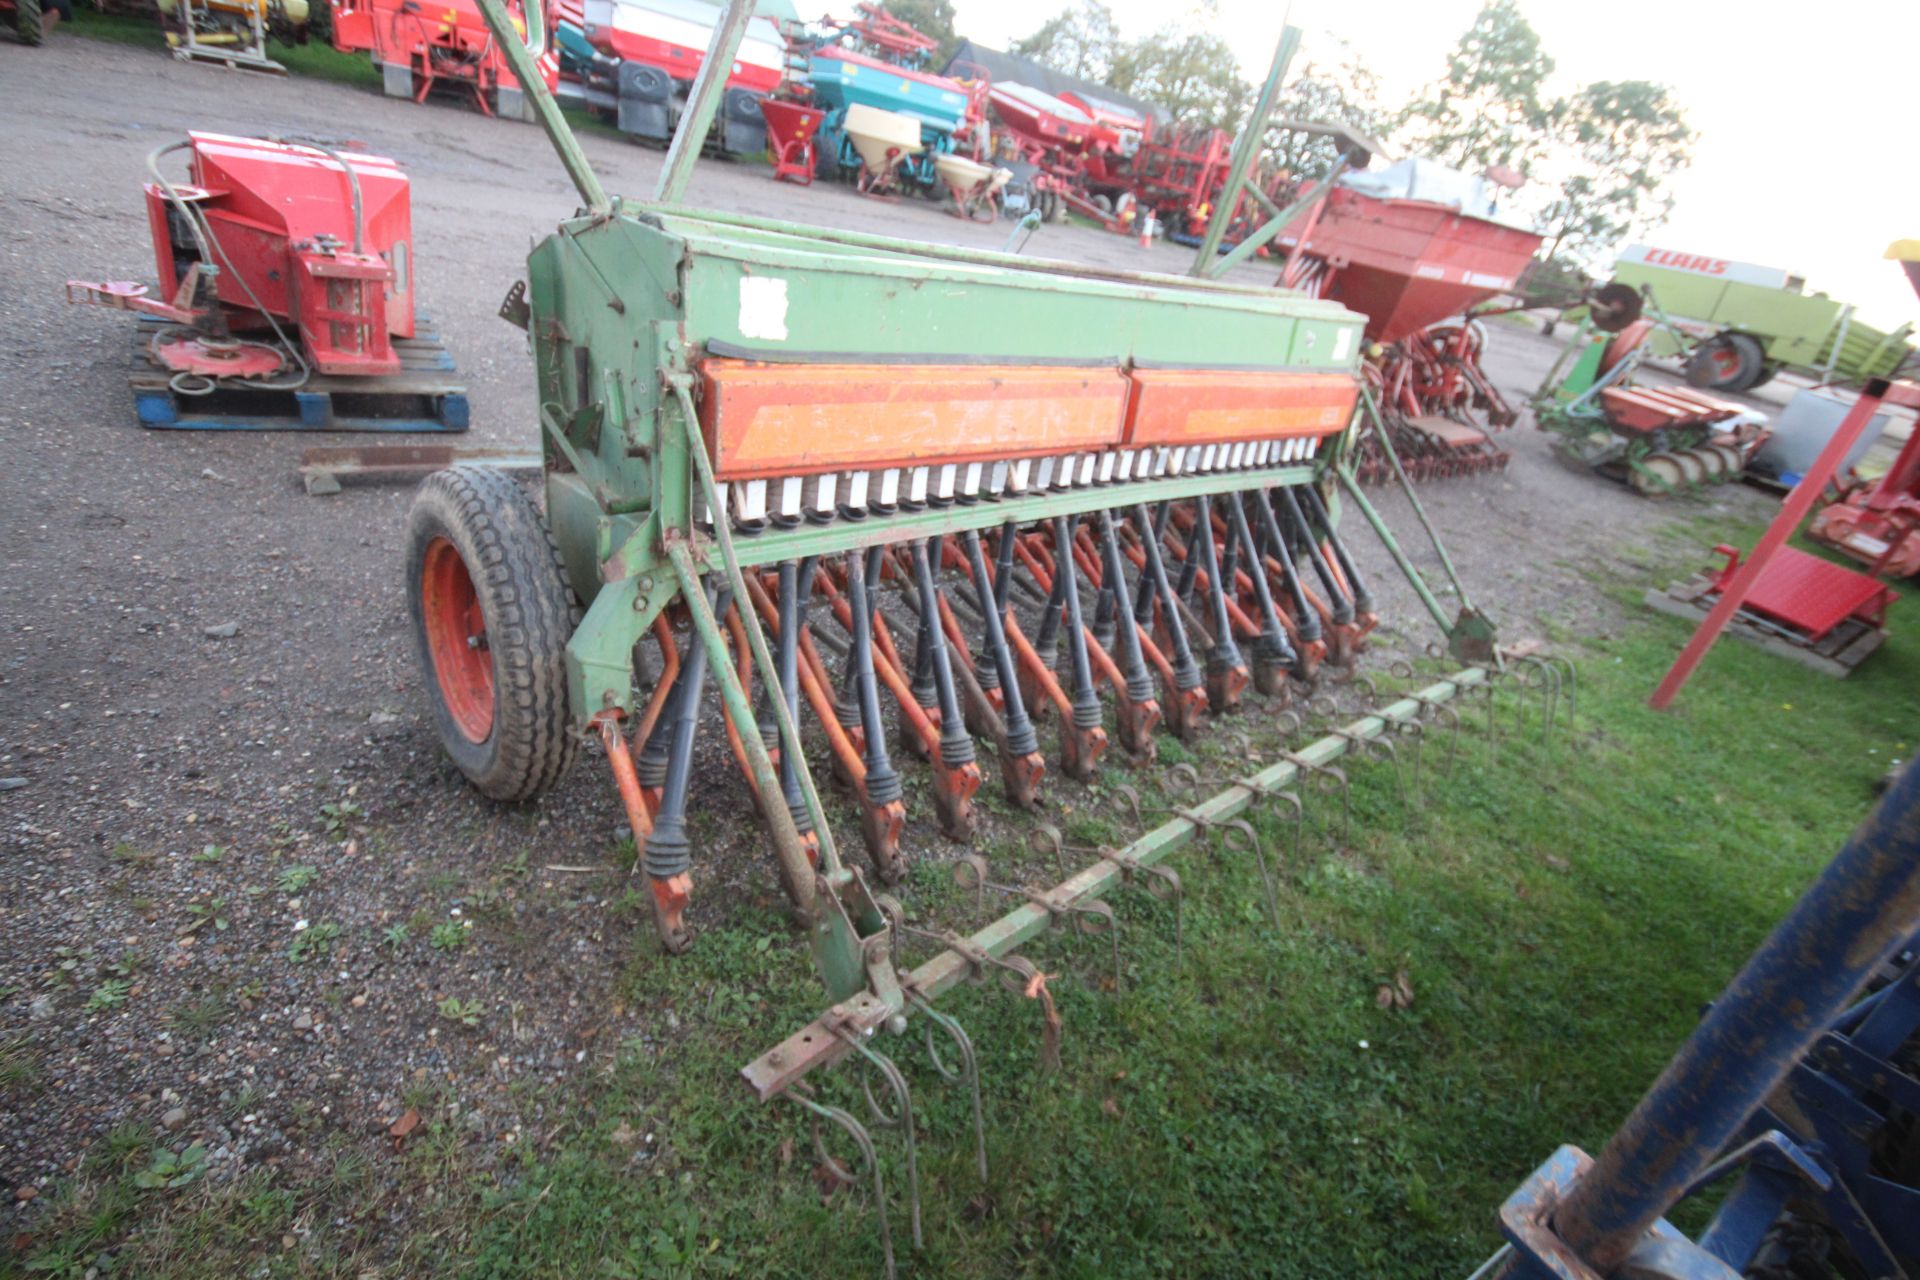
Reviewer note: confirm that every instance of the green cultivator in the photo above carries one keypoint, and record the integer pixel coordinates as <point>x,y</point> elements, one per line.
<point>822,470</point>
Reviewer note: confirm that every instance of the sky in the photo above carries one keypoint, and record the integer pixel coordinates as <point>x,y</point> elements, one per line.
<point>1806,156</point>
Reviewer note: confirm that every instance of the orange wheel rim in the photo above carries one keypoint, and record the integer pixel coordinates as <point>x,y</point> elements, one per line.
<point>457,639</point>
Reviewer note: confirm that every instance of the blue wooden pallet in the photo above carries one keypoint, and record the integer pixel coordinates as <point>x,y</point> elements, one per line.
<point>427,395</point>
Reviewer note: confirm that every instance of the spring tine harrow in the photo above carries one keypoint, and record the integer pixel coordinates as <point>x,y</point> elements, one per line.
<point>1329,778</point>
<point>1159,880</point>
<point>1298,810</point>
<point>1536,672</point>
<point>1088,918</point>
<point>966,1074</point>
<point>835,1168</point>
<point>899,1116</point>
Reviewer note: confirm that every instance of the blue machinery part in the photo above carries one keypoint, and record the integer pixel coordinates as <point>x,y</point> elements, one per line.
<point>1808,1095</point>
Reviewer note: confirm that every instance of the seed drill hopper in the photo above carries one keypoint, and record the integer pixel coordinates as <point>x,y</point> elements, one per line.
<point>823,469</point>
<point>1417,268</point>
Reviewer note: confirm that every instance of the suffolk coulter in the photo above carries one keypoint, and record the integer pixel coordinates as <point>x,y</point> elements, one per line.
<point>937,503</point>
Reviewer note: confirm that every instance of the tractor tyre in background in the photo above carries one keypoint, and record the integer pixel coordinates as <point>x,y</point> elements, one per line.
<point>492,613</point>
<point>26,21</point>
<point>1730,362</point>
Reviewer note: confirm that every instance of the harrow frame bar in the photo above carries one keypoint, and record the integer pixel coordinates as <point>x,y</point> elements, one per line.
<point>821,1042</point>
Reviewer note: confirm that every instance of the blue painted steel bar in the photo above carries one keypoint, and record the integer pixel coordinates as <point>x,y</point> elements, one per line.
<point>1860,909</point>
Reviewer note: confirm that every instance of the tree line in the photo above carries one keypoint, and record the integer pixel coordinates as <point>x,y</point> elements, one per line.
<point>1597,159</point>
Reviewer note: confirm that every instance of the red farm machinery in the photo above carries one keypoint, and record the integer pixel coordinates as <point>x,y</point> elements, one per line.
<point>1877,522</point>
<point>632,63</point>
<point>445,48</point>
<point>1417,266</point>
<point>286,279</point>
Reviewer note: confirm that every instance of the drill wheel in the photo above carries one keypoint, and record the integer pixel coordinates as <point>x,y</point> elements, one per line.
<point>492,612</point>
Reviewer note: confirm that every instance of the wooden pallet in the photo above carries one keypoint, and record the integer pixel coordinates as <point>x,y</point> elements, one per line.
<point>1843,649</point>
<point>428,394</point>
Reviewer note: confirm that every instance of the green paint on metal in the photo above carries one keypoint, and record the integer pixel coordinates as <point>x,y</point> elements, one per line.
<point>534,85</point>
<point>1253,135</point>
<point>696,118</point>
<point>1279,222</point>
<point>756,640</point>
<point>1384,438</point>
<point>1407,566</point>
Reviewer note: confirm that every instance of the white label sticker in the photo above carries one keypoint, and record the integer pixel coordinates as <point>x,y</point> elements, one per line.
<point>1342,343</point>
<point>763,308</point>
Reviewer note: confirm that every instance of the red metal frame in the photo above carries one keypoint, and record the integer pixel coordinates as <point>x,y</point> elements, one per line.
<point>1878,523</point>
<point>1807,595</point>
<point>1734,593</point>
<point>283,233</point>
<point>446,41</point>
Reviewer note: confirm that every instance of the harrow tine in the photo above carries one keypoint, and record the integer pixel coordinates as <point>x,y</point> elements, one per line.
<point>967,1074</point>
<point>1159,880</point>
<point>1418,732</point>
<point>1572,681</point>
<point>1047,839</point>
<point>1328,777</point>
<point>1021,767</point>
<point>1550,679</point>
<point>1162,882</point>
<point>1240,836</point>
<point>838,1170</point>
<point>1090,918</point>
<point>900,1118</point>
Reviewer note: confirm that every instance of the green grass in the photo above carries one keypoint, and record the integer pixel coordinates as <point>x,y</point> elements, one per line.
<point>1243,1106</point>
<point>315,58</point>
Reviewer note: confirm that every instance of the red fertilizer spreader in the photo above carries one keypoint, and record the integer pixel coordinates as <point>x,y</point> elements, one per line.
<point>273,258</point>
<point>1415,268</point>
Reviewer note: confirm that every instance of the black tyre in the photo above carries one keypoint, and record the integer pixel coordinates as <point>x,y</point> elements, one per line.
<point>492,613</point>
<point>26,21</point>
<point>1730,362</point>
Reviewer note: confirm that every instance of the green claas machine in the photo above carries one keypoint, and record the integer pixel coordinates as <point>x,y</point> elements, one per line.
<point>1737,323</point>
<point>821,470</point>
